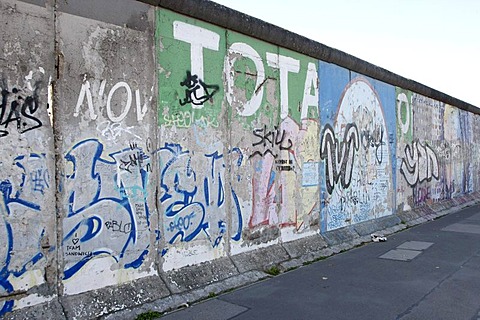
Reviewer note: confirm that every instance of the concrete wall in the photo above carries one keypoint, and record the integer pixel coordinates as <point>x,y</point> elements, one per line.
<point>151,157</point>
<point>28,224</point>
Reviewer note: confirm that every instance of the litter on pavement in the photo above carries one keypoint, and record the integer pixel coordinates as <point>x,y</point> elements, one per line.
<point>378,237</point>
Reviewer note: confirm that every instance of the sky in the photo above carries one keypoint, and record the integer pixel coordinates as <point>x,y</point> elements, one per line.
<point>434,42</point>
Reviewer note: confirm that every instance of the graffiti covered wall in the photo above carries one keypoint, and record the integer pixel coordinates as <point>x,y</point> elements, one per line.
<point>239,122</point>
<point>175,142</point>
<point>357,147</point>
<point>106,167</point>
<point>438,158</point>
<point>27,181</point>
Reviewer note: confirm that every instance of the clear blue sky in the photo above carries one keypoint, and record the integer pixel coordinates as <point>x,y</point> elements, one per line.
<point>434,42</point>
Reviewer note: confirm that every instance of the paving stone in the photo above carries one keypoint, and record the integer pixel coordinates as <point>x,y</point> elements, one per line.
<point>400,254</point>
<point>475,217</point>
<point>415,245</point>
<point>465,228</point>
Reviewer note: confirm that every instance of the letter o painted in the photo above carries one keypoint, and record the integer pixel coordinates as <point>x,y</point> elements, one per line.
<point>122,116</point>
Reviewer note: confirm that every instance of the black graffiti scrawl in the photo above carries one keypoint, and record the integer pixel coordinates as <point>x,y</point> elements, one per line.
<point>197,92</point>
<point>339,156</point>
<point>270,140</point>
<point>17,110</point>
<point>419,164</point>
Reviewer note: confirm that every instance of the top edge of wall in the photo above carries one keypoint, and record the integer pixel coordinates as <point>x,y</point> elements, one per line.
<point>40,3</point>
<point>124,13</point>
<point>236,21</point>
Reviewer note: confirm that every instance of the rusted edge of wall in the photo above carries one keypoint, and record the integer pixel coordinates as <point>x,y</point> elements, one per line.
<point>236,21</point>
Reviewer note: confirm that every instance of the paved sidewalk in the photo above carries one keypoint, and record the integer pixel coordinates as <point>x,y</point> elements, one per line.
<point>431,271</point>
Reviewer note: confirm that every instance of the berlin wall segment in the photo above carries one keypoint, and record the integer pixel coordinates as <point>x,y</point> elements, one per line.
<point>27,182</point>
<point>185,145</point>
<point>107,205</point>
<point>243,136</point>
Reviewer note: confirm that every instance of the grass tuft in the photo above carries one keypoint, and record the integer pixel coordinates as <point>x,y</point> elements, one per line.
<point>149,315</point>
<point>273,271</point>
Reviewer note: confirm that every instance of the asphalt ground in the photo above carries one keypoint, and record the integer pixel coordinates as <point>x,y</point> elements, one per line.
<point>431,271</point>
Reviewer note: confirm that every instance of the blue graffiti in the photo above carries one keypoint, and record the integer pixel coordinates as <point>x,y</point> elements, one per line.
<point>193,203</point>
<point>22,202</point>
<point>103,191</point>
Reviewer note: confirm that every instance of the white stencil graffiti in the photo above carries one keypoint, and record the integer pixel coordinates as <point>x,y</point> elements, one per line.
<point>284,64</point>
<point>99,99</point>
<point>113,130</point>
